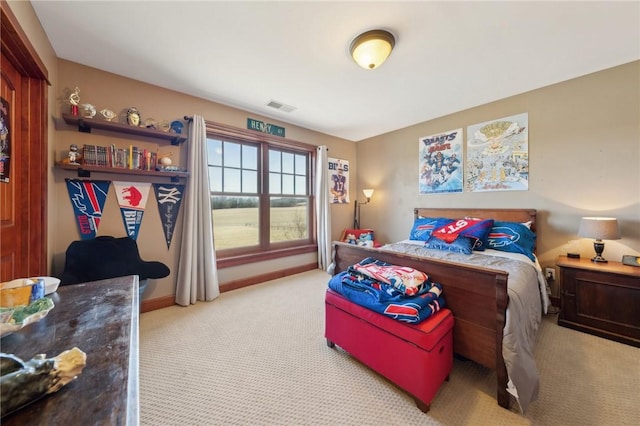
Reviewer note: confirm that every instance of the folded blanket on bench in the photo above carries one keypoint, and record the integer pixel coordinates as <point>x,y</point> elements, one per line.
<point>371,283</point>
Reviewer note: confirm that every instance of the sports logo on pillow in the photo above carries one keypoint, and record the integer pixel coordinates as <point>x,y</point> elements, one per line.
<point>512,237</point>
<point>423,227</point>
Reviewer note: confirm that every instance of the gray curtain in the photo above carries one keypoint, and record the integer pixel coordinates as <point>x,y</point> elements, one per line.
<point>197,272</point>
<point>323,213</point>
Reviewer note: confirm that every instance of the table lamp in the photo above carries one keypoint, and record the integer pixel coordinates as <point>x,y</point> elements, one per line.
<point>599,228</point>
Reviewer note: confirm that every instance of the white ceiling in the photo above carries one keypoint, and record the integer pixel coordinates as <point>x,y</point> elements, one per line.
<point>449,56</point>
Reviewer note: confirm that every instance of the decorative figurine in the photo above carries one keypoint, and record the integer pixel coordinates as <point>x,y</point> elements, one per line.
<point>133,117</point>
<point>176,126</point>
<point>88,110</point>
<point>150,123</point>
<point>108,114</point>
<point>74,154</point>
<point>165,125</point>
<point>74,100</point>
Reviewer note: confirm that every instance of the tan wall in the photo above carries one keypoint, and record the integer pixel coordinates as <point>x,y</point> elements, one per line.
<point>584,150</point>
<point>106,90</point>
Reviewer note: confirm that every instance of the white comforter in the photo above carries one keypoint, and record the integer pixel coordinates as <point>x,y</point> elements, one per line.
<point>528,300</point>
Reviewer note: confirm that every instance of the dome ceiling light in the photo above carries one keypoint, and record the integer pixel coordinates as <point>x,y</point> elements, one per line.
<point>370,49</point>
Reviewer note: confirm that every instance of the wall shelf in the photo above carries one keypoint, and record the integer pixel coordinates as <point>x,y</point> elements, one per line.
<point>84,171</point>
<point>86,124</point>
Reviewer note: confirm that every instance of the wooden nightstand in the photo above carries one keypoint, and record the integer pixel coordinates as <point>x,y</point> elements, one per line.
<point>602,299</point>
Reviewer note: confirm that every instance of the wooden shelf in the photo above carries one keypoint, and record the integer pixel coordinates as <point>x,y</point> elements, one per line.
<point>86,124</point>
<point>84,171</point>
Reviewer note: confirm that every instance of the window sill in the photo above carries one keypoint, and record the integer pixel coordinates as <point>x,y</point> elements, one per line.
<point>243,259</point>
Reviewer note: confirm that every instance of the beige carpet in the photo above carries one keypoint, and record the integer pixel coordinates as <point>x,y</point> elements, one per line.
<point>257,356</point>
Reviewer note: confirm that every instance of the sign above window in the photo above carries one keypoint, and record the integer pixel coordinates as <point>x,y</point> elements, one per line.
<point>263,127</point>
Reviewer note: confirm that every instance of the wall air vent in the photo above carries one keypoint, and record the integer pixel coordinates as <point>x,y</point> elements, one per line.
<point>280,106</point>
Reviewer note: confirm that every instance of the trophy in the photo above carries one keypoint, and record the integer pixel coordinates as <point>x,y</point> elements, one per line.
<point>74,100</point>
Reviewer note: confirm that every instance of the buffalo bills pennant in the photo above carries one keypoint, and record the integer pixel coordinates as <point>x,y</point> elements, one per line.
<point>87,198</point>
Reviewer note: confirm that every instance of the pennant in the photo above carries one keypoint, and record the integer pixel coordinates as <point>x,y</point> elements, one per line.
<point>87,198</point>
<point>132,199</point>
<point>169,198</point>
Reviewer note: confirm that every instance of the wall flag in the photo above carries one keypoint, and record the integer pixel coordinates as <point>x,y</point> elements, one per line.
<point>87,198</point>
<point>169,198</point>
<point>132,198</point>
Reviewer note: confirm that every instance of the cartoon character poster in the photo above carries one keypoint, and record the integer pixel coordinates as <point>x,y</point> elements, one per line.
<point>87,198</point>
<point>5,141</point>
<point>440,165</point>
<point>498,155</point>
<point>132,198</point>
<point>338,181</point>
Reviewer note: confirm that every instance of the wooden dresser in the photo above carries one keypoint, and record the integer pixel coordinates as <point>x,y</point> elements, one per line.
<point>101,319</point>
<point>602,299</point>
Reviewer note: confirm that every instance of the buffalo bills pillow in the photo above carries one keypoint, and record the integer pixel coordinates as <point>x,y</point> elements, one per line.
<point>479,231</point>
<point>423,227</point>
<point>512,237</point>
<point>473,229</point>
<point>459,245</point>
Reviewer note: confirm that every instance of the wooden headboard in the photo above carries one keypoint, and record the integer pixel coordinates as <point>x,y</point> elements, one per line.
<point>507,215</point>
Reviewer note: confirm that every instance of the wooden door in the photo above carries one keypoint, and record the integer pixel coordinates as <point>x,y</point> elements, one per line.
<point>23,196</point>
<point>12,200</point>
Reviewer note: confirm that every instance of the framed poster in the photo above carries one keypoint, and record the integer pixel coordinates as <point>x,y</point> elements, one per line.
<point>440,164</point>
<point>5,141</point>
<point>498,155</point>
<point>338,181</point>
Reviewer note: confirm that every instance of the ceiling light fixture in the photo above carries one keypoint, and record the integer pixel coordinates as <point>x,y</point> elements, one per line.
<point>372,48</point>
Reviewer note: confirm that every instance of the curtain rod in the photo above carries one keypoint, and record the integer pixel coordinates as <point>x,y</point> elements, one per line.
<point>186,117</point>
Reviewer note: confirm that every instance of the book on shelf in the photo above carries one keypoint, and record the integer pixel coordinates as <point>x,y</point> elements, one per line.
<point>133,157</point>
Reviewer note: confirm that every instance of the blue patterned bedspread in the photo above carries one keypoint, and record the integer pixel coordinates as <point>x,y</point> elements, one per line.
<point>386,298</point>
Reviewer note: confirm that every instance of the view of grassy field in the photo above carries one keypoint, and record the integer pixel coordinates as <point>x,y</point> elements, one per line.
<point>239,226</point>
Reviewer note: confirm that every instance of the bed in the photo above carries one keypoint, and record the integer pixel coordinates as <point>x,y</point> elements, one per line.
<point>479,297</point>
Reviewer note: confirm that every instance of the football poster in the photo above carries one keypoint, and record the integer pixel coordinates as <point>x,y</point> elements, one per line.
<point>440,164</point>
<point>338,181</point>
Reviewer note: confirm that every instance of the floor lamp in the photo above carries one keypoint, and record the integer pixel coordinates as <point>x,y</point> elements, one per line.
<point>356,208</point>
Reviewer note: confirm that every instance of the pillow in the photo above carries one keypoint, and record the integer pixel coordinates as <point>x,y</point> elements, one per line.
<point>459,245</point>
<point>479,232</point>
<point>512,237</point>
<point>456,244</point>
<point>422,228</point>
<point>472,228</point>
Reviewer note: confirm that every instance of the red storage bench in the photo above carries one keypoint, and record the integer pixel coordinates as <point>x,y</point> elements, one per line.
<point>416,357</point>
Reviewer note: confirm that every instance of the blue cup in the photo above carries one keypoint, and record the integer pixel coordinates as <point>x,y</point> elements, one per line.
<point>37,290</point>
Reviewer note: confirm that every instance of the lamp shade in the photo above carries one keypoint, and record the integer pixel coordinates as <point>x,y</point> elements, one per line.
<point>599,228</point>
<point>372,48</point>
<point>368,193</point>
